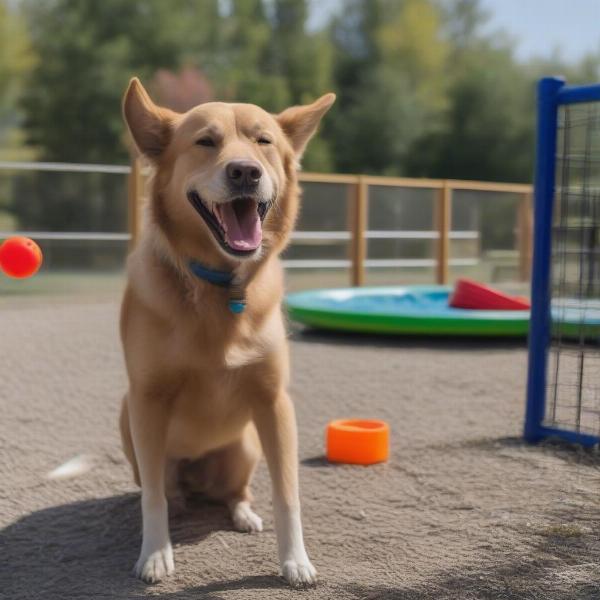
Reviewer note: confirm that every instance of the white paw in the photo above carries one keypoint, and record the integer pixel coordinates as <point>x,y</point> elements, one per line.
<point>155,566</point>
<point>245,519</point>
<point>299,574</point>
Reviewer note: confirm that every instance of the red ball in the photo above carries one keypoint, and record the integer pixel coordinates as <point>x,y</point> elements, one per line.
<point>20,257</point>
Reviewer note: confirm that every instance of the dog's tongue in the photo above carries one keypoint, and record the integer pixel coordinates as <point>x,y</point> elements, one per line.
<point>242,225</point>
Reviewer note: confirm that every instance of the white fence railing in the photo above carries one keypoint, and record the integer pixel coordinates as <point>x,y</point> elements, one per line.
<point>357,235</point>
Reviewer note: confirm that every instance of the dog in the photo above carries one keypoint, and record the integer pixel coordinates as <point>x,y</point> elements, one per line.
<point>201,322</point>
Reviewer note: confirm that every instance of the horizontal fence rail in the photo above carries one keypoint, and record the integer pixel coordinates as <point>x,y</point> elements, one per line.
<point>64,167</point>
<point>70,235</point>
<point>357,233</point>
<point>321,263</point>
<point>382,235</point>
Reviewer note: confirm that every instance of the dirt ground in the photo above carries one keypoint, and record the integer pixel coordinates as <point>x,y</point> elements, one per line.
<point>462,510</point>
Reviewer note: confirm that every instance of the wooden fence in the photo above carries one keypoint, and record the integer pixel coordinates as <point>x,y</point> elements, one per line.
<point>357,206</point>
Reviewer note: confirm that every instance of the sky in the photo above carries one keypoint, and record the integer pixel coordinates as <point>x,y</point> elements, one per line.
<point>538,26</point>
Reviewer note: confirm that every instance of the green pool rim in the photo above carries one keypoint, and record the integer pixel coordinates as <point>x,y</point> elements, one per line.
<point>472,323</point>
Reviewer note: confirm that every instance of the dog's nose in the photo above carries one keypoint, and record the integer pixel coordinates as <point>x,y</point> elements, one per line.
<point>244,172</point>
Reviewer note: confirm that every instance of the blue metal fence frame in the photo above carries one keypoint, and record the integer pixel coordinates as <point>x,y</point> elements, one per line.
<point>551,93</point>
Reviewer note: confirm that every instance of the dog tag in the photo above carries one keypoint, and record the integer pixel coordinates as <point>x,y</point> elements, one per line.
<point>236,306</point>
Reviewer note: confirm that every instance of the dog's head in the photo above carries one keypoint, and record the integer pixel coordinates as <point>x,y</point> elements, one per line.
<point>225,183</point>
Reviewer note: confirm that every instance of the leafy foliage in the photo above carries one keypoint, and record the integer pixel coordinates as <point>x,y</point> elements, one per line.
<point>16,60</point>
<point>421,90</point>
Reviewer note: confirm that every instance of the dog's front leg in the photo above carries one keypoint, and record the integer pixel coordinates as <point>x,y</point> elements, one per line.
<point>149,419</point>
<point>276,424</point>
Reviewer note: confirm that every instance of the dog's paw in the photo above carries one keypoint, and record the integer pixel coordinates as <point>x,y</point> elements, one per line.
<point>245,519</point>
<point>299,573</point>
<point>153,567</point>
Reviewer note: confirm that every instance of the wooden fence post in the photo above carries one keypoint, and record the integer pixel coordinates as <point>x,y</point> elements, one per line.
<point>525,233</point>
<point>135,188</point>
<point>444,208</point>
<point>359,226</point>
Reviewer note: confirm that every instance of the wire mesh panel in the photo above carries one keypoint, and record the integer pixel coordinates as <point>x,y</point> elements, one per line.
<point>318,255</point>
<point>401,238</point>
<point>564,346</point>
<point>487,249</point>
<point>573,386</point>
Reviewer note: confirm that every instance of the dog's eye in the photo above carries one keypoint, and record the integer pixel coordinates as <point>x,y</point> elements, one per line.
<point>264,140</point>
<point>206,141</point>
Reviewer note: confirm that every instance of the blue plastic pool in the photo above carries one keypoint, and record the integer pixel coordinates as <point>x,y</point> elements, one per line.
<point>420,310</point>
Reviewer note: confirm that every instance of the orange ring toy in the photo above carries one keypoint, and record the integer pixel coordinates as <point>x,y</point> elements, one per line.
<point>358,441</point>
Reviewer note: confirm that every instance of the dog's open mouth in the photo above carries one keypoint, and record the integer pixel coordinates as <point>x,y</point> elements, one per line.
<point>237,225</point>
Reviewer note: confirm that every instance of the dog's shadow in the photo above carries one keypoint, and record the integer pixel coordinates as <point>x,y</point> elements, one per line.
<point>87,549</point>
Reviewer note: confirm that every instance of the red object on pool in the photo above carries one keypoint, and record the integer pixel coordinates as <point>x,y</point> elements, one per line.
<point>476,296</point>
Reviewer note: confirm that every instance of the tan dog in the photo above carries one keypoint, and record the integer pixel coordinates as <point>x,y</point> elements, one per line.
<point>207,383</point>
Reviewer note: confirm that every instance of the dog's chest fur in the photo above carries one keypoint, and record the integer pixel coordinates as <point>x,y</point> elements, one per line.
<point>213,342</point>
<point>218,379</point>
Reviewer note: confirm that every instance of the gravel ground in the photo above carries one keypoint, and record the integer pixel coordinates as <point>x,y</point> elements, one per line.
<point>462,510</point>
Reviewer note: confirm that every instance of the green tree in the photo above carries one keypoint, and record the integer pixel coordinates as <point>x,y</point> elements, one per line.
<point>246,78</point>
<point>421,89</point>
<point>390,59</point>
<point>90,51</point>
<point>16,60</point>
<point>587,70</point>
<point>72,101</point>
<point>274,61</point>
<point>462,21</point>
<point>487,132</point>
<point>305,60</point>
<point>488,129</point>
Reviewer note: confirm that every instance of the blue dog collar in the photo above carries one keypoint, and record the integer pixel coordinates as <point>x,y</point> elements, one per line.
<point>220,278</point>
<point>237,297</point>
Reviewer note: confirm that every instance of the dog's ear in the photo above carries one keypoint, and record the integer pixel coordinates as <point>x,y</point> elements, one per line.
<point>299,123</point>
<point>151,126</point>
